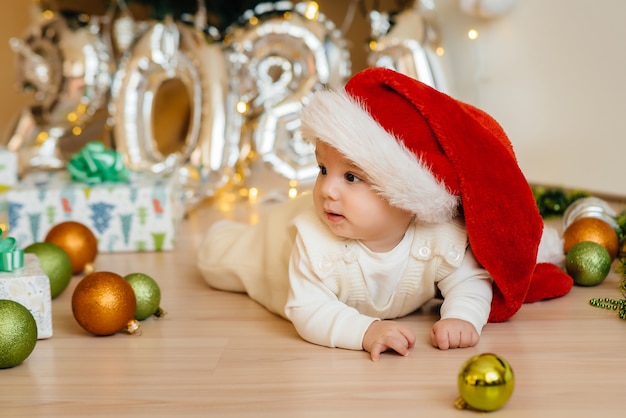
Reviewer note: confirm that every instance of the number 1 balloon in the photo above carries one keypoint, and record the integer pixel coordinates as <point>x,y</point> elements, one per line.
<point>65,62</point>
<point>406,42</point>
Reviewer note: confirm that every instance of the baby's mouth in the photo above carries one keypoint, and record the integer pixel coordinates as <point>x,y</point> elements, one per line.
<point>334,217</point>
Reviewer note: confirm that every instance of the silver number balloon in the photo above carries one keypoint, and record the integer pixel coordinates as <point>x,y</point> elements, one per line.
<point>65,62</point>
<point>279,53</point>
<point>173,76</point>
<point>406,41</point>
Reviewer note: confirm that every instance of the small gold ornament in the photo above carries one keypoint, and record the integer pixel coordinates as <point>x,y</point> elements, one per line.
<point>104,303</point>
<point>591,229</point>
<point>78,241</point>
<point>485,382</point>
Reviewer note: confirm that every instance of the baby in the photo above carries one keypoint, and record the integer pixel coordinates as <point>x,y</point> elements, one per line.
<point>417,194</point>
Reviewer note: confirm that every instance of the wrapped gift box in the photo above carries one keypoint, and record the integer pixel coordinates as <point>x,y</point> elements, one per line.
<point>30,287</point>
<point>8,179</point>
<point>141,215</point>
<point>8,168</point>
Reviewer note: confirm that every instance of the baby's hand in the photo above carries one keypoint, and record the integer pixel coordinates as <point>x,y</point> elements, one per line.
<point>384,335</point>
<point>453,333</point>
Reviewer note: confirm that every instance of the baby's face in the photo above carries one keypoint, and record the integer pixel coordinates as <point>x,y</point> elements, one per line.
<point>347,203</point>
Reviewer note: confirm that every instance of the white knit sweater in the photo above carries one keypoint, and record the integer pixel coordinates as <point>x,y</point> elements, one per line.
<point>332,288</point>
<point>335,288</point>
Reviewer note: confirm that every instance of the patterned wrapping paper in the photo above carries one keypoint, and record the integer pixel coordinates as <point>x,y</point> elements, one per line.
<point>30,287</point>
<point>141,215</point>
<point>8,179</point>
<point>8,168</point>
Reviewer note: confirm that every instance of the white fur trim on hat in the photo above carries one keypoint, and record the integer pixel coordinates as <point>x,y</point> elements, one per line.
<point>339,120</point>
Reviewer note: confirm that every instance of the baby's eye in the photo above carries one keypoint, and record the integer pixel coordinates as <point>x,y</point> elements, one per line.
<point>351,178</point>
<point>322,170</point>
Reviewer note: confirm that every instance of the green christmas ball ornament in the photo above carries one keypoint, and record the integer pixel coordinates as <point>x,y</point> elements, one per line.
<point>588,263</point>
<point>18,333</point>
<point>55,263</point>
<point>148,295</point>
<point>486,382</point>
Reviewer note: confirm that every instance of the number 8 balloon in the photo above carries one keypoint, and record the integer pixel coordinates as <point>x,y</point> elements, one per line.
<point>279,53</point>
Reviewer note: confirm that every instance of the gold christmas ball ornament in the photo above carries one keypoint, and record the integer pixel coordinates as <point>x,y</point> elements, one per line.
<point>148,295</point>
<point>55,263</point>
<point>485,382</point>
<point>104,303</point>
<point>591,229</point>
<point>588,263</point>
<point>18,333</point>
<point>78,241</point>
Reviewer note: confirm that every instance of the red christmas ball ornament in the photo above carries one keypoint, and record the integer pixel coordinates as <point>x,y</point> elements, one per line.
<point>78,241</point>
<point>104,303</point>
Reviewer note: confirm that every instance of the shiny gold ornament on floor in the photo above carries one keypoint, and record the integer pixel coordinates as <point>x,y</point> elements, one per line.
<point>104,303</point>
<point>486,382</point>
<point>591,229</point>
<point>18,333</point>
<point>78,241</point>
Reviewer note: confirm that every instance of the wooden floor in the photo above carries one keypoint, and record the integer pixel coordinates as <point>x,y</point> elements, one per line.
<point>217,354</point>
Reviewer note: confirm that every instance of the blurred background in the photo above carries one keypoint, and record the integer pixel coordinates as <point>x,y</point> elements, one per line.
<point>553,73</point>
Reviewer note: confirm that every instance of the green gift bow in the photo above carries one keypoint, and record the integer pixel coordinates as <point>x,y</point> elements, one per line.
<point>10,257</point>
<point>95,164</point>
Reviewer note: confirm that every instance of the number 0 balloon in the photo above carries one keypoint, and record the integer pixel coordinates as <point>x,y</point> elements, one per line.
<point>167,104</point>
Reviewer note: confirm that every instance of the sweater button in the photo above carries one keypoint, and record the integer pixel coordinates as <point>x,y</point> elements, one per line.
<point>423,252</point>
<point>325,266</point>
<point>453,256</point>
<point>350,255</point>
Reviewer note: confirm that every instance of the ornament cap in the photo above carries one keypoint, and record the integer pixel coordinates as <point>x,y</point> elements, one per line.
<point>160,313</point>
<point>133,327</point>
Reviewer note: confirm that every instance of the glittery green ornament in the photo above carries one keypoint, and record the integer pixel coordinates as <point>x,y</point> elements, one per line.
<point>588,263</point>
<point>55,263</point>
<point>18,333</point>
<point>148,295</point>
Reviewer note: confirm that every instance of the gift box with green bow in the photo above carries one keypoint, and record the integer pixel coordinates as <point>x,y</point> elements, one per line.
<point>126,211</point>
<point>22,280</point>
<point>8,168</point>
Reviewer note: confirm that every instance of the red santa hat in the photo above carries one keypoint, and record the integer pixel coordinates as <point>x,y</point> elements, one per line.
<point>438,157</point>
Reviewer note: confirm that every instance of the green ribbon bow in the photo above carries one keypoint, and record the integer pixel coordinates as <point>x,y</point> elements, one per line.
<point>95,164</point>
<point>10,257</point>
